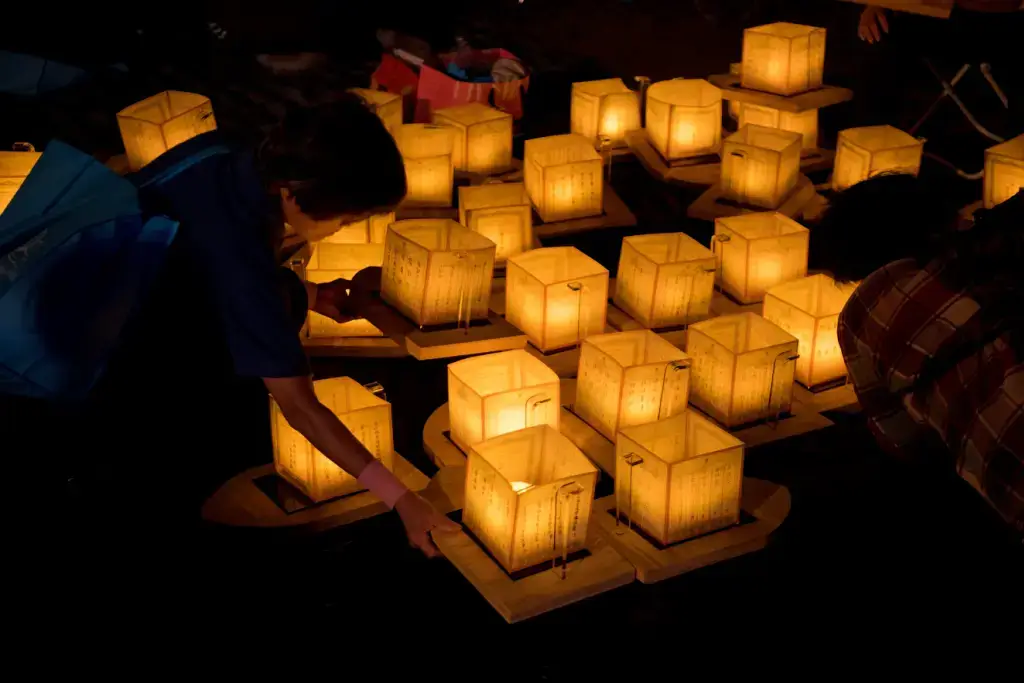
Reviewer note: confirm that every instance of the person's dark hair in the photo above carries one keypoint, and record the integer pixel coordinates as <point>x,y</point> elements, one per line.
<point>878,221</point>
<point>335,158</point>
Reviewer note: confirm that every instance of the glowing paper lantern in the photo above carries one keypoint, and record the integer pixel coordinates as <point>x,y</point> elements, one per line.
<point>556,295</point>
<point>498,393</point>
<point>679,477</point>
<point>151,127</point>
<point>630,378</point>
<point>665,280</point>
<point>427,151</point>
<point>386,105</point>
<point>483,137</point>
<point>742,368</point>
<point>782,58</point>
<point>367,231</point>
<point>14,168</point>
<point>500,212</point>
<point>302,465</point>
<point>604,108</point>
<point>563,177</point>
<point>809,309</point>
<point>757,251</point>
<point>327,263</point>
<point>805,122</point>
<point>760,166</point>
<point>684,118</point>
<point>437,271</point>
<point>1004,171</point>
<point>863,153</point>
<point>528,496</point>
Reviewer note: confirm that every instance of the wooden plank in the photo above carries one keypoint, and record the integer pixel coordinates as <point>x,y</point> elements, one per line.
<point>592,443</point>
<point>711,204</point>
<point>766,502</point>
<point>836,398</point>
<point>825,96</point>
<point>616,215</point>
<point>619,319</point>
<point>441,450</point>
<point>939,9</point>
<point>496,335</point>
<point>354,347</point>
<point>803,420</point>
<point>563,363</point>
<point>722,304</point>
<point>513,174</point>
<point>701,171</point>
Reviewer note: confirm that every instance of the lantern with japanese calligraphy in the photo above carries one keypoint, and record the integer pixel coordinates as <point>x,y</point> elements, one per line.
<point>14,168</point>
<point>500,212</point>
<point>630,378</point>
<point>863,153</point>
<point>783,58</point>
<point>665,280</point>
<point>1004,171</point>
<point>563,177</point>
<point>742,368</point>
<point>809,310</point>
<point>327,263</point>
<point>760,166</point>
<point>437,271</point>
<point>604,109</point>
<point>151,127</point>
<point>805,122</point>
<point>428,153</point>
<point>678,477</point>
<point>684,118</point>
<point>384,104</point>
<point>365,415</point>
<point>498,393</point>
<point>528,496</point>
<point>756,251</point>
<point>556,295</point>
<point>483,137</point>
<point>370,230</point>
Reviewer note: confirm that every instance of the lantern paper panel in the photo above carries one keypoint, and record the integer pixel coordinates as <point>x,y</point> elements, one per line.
<point>809,310</point>
<point>156,124</point>
<point>329,262</point>
<point>367,231</point>
<point>498,393</point>
<point>863,153</point>
<point>665,280</point>
<point>605,108</point>
<point>556,295</point>
<point>14,168</point>
<point>483,137</point>
<point>760,166</point>
<point>756,251</point>
<point>805,123</point>
<point>684,118</point>
<point>302,465</point>
<point>563,177</point>
<point>436,271</point>
<point>386,106</point>
<point>783,58</point>
<point>1004,171</point>
<point>428,153</point>
<point>630,378</point>
<point>685,479</point>
<point>528,496</point>
<point>500,212</point>
<point>742,368</point>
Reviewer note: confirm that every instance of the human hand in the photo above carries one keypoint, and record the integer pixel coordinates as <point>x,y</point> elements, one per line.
<point>420,519</point>
<point>873,23</point>
<point>332,300</point>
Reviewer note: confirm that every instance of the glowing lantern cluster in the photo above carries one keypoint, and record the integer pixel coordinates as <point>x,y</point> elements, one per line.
<point>684,118</point>
<point>863,153</point>
<point>14,168</point>
<point>742,368</point>
<point>665,280</point>
<point>528,496</point>
<point>428,152</point>
<point>760,166</point>
<point>483,137</point>
<point>805,122</point>
<point>679,477</point>
<point>498,393</point>
<point>370,230</point>
<point>556,295</point>
<point>436,271</point>
<point>630,378</point>
<point>563,177</point>
<point>156,124</point>
<point>301,464</point>
<point>386,106</point>
<point>604,109</point>
<point>1004,171</point>
<point>783,58</point>
<point>329,262</point>
<point>500,212</point>
<point>756,251</point>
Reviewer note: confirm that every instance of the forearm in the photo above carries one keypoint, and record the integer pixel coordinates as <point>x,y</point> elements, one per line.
<point>326,432</point>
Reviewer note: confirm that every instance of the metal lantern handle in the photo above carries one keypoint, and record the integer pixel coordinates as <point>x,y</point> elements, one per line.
<point>716,248</point>
<point>578,288</point>
<point>530,405</point>
<point>674,366</point>
<point>784,357</point>
<point>605,147</point>
<point>568,490</point>
<point>377,389</point>
<point>23,147</point>
<point>631,460</point>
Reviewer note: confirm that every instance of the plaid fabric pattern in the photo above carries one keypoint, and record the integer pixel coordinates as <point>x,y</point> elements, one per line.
<point>899,319</point>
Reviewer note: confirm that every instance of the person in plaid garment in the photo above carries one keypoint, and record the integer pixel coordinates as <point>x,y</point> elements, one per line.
<point>934,343</point>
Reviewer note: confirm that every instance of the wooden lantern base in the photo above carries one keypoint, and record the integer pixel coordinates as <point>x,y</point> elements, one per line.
<point>243,501</point>
<point>355,347</point>
<point>615,215</point>
<point>839,396</point>
<point>802,419</point>
<point>703,170</point>
<point>766,505</point>
<point>512,174</point>
<point>824,96</point>
<point>712,204</point>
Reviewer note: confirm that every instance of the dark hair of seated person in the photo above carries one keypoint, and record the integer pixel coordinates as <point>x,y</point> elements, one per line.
<point>335,158</point>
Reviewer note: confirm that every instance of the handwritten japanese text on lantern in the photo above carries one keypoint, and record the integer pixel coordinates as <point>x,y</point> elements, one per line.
<point>684,118</point>
<point>483,139</point>
<point>605,108</point>
<point>863,153</point>
<point>1004,171</point>
<point>500,212</point>
<point>783,58</point>
<point>756,251</point>
<point>563,177</point>
<point>760,166</point>
<point>156,124</point>
<point>428,153</point>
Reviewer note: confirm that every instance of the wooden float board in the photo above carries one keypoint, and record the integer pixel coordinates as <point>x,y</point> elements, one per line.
<point>616,215</point>
<point>825,96</point>
<point>708,207</point>
<point>703,171</point>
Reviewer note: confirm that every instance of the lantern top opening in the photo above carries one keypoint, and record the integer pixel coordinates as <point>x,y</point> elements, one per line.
<point>469,114</point>
<point>1011,148</point>
<point>496,373</point>
<point>164,106</point>
<point>440,234</point>
<point>786,30</point>
<point>685,436</point>
<point>817,295</point>
<point>345,395</point>
<point>760,225</point>
<point>537,456</point>
<point>743,332</point>
<point>876,138</point>
<point>552,265</point>
<point>555,150</point>
<point>607,86</point>
<point>419,140</point>
<point>775,139</point>
<point>670,247</point>
<point>375,98</point>
<point>492,195</point>
<point>685,92</point>
<point>636,347</point>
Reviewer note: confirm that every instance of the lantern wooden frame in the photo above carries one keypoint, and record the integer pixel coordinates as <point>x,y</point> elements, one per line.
<point>863,153</point>
<point>483,142</point>
<point>1004,171</point>
<point>370,230</point>
<point>757,251</point>
<point>156,124</point>
<point>563,175</point>
<point>428,152</point>
<point>684,118</point>
<point>760,166</point>
<point>604,109</point>
<point>805,123</point>
<point>387,106</point>
<point>501,212</point>
<point>783,58</point>
<point>14,168</point>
